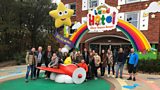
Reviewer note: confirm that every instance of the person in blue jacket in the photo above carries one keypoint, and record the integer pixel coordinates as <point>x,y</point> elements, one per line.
<point>133,61</point>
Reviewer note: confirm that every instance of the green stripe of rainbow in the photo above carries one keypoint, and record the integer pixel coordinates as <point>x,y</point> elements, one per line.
<point>137,39</point>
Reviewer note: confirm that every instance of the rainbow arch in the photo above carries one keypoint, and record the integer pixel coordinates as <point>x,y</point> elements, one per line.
<point>136,37</point>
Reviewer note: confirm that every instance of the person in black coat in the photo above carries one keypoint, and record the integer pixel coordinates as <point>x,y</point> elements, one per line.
<point>121,59</point>
<point>85,54</point>
<point>47,59</point>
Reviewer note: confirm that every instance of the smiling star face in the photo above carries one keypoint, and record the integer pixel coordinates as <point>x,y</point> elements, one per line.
<point>62,15</point>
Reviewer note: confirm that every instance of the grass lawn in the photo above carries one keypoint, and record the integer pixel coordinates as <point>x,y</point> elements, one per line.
<point>42,84</point>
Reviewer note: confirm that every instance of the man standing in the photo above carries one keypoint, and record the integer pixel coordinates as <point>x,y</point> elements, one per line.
<point>86,56</point>
<point>60,55</point>
<point>73,55</point>
<point>31,62</point>
<point>121,59</point>
<point>47,59</point>
<point>39,55</point>
<point>133,61</point>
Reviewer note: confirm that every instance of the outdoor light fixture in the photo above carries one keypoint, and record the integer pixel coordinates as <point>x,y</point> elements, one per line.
<point>146,5</point>
<point>153,16</point>
<point>118,7</point>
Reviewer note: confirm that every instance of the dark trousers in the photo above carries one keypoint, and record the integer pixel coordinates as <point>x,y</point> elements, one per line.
<point>38,70</point>
<point>109,69</point>
<point>102,71</point>
<point>46,72</point>
<point>95,71</point>
<point>32,69</point>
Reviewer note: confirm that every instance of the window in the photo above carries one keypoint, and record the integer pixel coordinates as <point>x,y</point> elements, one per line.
<point>73,6</point>
<point>132,1</point>
<point>133,18</point>
<point>93,3</point>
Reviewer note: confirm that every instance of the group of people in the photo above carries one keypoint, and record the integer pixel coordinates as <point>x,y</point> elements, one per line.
<point>91,61</point>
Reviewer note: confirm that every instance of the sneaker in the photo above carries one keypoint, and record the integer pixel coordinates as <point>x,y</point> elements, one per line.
<point>130,78</point>
<point>113,76</point>
<point>46,78</point>
<point>102,76</point>
<point>43,75</point>
<point>95,78</point>
<point>34,78</point>
<point>134,79</point>
<point>26,81</point>
<point>108,75</point>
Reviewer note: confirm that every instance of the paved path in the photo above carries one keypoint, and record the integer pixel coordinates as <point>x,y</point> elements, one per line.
<point>143,82</point>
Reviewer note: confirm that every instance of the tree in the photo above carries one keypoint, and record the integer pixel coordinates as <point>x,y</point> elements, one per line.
<point>34,16</point>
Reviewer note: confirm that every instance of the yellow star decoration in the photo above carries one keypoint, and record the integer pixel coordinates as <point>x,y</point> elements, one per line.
<point>62,15</point>
<point>158,3</point>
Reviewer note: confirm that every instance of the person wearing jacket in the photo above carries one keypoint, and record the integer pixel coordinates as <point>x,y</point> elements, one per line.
<point>133,61</point>
<point>83,65</point>
<point>39,55</point>
<point>121,59</point>
<point>68,60</point>
<point>110,62</point>
<point>103,62</point>
<point>54,61</point>
<point>97,61</point>
<point>47,58</point>
<point>31,63</point>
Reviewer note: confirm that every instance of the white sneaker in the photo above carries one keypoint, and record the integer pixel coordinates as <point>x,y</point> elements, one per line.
<point>43,75</point>
<point>113,76</point>
<point>46,78</point>
<point>108,75</point>
<point>95,78</point>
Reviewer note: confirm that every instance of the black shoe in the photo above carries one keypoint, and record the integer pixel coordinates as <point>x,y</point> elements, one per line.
<point>130,78</point>
<point>116,77</point>
<point>121,77</point>
<point>26,81</point>
<point>134,79</point>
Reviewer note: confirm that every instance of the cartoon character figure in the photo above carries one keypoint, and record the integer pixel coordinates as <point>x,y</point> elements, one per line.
<point>62,15</point>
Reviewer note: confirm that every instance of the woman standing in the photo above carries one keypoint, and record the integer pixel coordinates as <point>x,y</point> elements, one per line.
<point>103,62</point>
<point>110,62</point>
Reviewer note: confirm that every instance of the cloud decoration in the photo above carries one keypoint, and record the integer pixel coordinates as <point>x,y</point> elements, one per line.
<point>153,7</point>
<point>76,25</point>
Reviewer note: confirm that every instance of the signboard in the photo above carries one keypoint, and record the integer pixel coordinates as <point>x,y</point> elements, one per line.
<point>103,17</point>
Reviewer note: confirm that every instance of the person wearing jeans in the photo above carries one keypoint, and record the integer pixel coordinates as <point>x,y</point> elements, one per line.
<point>39,55</point>
<point>31,62</point>
<point>120,62</point>
<point>110,62</point>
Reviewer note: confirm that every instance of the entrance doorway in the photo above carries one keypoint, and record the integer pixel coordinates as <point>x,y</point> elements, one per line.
<point>99,46</point>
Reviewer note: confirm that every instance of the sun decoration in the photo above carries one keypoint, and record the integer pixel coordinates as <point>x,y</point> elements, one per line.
<point>62,15</point>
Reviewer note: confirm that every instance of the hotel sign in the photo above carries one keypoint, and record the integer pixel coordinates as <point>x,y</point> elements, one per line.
<point>103,17</point>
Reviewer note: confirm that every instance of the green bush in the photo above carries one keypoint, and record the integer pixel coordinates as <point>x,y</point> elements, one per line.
<point>19,57</point>
<point>149,66</point>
